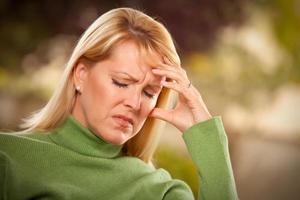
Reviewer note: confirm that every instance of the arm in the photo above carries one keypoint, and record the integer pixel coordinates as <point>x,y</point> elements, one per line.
<point>208,146</point>
<point>203,134</point>
<point>3,166</point>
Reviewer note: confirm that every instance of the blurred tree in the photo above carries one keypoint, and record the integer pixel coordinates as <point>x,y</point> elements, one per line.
<point>285,18</point>
<point>24,24</point>
<point>194,24</point>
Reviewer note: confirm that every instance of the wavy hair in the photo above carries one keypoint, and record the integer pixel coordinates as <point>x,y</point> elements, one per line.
<point>96,44</point>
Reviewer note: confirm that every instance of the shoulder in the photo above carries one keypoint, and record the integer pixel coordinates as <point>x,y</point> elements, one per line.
<point>24,136</point>
<point>16,141</point>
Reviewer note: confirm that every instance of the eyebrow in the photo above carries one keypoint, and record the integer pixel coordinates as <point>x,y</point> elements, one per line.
<point>133,78</point>
<point>136,80</point>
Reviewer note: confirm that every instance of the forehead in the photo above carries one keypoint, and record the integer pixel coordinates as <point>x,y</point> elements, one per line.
<point>128,55</point>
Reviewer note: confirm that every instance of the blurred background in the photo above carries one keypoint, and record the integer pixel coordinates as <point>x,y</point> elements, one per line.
<point>242,55</point>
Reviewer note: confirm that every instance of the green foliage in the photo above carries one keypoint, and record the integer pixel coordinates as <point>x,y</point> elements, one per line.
<point>285,19</point>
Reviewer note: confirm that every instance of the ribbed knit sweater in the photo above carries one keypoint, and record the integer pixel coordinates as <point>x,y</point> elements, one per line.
<point>71,163</point>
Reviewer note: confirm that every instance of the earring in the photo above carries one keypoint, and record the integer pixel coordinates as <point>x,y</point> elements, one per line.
<point>78,88</point>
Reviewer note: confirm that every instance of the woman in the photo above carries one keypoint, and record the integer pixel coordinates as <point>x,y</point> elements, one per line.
<point>95,137</point>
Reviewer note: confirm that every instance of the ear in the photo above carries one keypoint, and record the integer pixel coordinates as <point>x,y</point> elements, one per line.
<point>80,74</point>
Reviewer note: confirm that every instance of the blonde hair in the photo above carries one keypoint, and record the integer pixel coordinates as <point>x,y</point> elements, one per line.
<point>96,44</point>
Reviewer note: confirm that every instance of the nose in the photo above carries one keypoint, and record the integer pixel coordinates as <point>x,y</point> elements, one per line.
<point>133,101</point>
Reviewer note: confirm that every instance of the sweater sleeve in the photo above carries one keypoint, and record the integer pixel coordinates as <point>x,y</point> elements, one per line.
<point>208,146</point>
<point>2,176</point>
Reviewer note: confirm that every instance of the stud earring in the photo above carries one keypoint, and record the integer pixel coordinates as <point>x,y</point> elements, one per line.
<point>78,88</point>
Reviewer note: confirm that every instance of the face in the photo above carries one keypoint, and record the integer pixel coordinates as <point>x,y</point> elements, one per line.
<point>117,94</point>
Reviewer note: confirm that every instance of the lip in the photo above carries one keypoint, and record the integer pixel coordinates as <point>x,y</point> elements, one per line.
<point>123,120</point>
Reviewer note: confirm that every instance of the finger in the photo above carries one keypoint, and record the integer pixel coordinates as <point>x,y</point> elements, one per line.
<point>166,60</point>
<point>161,114</point>
<point>184,92</point>
<point>170,74</point>
<point>173,69</point>
<point>175,86</point>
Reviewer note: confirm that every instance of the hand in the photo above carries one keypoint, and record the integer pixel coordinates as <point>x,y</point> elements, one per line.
<point>190,108</point>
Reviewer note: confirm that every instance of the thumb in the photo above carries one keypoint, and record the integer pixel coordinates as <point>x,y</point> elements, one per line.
<point>161,114</point>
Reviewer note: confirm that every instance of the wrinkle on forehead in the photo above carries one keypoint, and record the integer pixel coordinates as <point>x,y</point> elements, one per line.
<point>147,59</point>
<point>143,57</point>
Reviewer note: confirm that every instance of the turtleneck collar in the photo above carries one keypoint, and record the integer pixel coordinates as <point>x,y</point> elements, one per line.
<point>76,137</point>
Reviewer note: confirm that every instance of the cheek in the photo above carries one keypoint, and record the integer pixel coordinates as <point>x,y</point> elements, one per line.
<point>148,107</point>
<point>94,92</point>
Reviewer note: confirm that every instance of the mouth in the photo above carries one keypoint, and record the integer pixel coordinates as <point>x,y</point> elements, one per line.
<point>123,121</point>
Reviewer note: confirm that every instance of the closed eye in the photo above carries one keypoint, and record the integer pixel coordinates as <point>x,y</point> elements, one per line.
<point>121,85</point>
<point>148,95</point>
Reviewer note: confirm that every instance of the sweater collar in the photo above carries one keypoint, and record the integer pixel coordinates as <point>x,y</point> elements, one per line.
<point>76,137</point>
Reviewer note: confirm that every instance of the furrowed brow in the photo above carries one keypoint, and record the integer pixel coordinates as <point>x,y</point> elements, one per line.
<point>130,76</point>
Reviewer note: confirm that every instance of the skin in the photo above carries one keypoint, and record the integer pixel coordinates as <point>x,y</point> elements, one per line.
<point>106,91</point>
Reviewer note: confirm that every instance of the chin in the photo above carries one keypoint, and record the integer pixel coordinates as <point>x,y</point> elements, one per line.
<point>121,142</point>
<point>118,141</point>
<point>117,137</point>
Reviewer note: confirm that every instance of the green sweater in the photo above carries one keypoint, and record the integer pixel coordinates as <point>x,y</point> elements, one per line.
<point>72,163</point>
